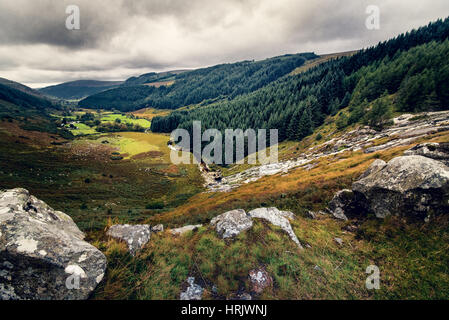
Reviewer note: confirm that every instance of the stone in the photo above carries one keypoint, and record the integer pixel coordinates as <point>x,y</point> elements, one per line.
<point>43,254</point>
<point>278,218</point>
<point>193,291</point>
<point>231,223</point>
<point>339,241</point>
<point>135,236</point>
<point>436,151</point>
<point>259,279</point>
<point>375,167</point>
<point>414,186</point>
<point>182,230</point>
<point>310,214</point>
<point>157,228</point>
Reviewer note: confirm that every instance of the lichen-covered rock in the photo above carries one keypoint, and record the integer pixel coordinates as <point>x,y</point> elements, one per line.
<point>278,218</point>
<point>259,279</point>
<point>42,252</point>
<point>193,291</point>
<point>231,223</point>
<point>182,230</point>
<point>413,186</point>
<point>157,228</point>
<point>436,151</point>
<point>135,236</point>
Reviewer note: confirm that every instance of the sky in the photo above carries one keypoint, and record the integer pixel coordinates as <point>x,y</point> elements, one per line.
<point>118,39</point>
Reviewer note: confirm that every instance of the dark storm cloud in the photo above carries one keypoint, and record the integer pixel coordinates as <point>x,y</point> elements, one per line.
<point>120,38</point>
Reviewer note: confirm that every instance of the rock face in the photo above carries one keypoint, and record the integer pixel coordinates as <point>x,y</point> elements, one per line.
<point>347,204</point>
<point>410,185</point>
<point>231,223</point>
<point>182,230</point>
<point>278,218</point>
<point>413,186</point>
<point>42,252</point>
<point>193,291</point>
<point>436,151</point>
<point>259,279</point>
<point>135,236</point>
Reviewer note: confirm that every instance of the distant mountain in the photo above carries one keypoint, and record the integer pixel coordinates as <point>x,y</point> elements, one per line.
<point>79,89</point>
<point>172,90</point>
<point>29,108</point>
<point>22,88</point>
<point>23,96</point>
<point>153,77</point>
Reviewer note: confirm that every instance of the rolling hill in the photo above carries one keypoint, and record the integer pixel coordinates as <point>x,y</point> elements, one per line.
<point>79,89</point>
<point>225,81</point>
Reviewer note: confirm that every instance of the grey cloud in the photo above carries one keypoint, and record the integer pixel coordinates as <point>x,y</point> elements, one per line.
<point>120,38</point>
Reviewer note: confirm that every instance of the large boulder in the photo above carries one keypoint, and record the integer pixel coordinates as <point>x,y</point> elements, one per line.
<point>414,186</point>
<point>278,218</point>
<point>42,252</point>
<point>135,236</point>
<point>436,151</point>
<point>231,223</point>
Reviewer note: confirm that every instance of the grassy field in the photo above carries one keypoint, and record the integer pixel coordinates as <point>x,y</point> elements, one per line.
<point>80,178</point>
<point>111,117</point>
<point>150,113</point>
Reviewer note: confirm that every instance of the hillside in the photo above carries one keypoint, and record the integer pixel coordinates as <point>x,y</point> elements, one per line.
<point>79,89</point>
<point>361,182</point>
<point>206,85</point>
<point>28,108</point>
<point>297,104</point>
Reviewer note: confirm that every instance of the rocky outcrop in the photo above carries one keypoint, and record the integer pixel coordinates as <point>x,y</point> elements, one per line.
<point>135,236</point>
<point>436,151</point>
<point>42,252</point>
<point>409,185</point>
<point>406,129</point>
<point>193,291</point>
<point>231,223</point>
<point>182,230</point>
<point>412,186</point>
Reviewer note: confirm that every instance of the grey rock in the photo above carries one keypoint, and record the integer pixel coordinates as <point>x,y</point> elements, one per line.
<point>375,167</point>
<point>182,230</point>
<point>311,214</point>
<point>244,296</point>
<point>231,223</point>
<point>42,252</point>
<point>193,291</point>
<point>339,241</point>
<point>436,151</point>
<point>157,228</point>
<point>278,218</point>
<point>135,236</point>
<point>260,280</point>
<point>414,186</point>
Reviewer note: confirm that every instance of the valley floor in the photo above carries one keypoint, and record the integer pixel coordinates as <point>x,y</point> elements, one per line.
<point>82,179</point>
